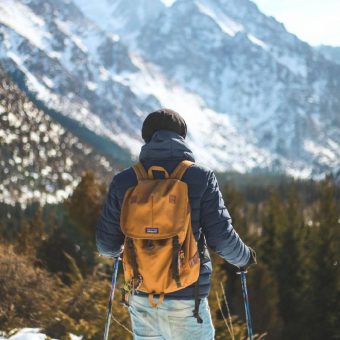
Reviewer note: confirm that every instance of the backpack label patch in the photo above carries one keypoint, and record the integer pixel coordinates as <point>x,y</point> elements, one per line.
<point>151,230</point>
<point>172,199</point>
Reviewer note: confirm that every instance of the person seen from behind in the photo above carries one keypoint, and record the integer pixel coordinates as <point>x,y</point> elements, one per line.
<point>165,212</point>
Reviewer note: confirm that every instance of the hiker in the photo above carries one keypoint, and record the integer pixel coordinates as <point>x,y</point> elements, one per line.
<point>166,211</point>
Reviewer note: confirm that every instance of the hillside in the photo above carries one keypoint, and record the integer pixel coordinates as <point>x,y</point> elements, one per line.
<point>39,159</point>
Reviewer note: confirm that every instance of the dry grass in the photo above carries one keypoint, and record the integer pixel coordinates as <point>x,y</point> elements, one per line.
<point>32,297</point>
<point>26,291</point>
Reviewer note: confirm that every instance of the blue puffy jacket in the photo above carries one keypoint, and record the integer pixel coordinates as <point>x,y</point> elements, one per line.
<point>208,213</point>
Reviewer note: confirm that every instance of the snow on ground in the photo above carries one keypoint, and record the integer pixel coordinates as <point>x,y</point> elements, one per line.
<point>27,334</point>
<point>32,334</point>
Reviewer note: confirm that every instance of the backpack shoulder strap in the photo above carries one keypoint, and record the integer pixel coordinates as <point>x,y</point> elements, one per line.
<point>180,169</point>
<point>140,171</point>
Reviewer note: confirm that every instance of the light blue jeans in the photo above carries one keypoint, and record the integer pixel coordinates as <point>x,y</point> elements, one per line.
<point>172,320</point>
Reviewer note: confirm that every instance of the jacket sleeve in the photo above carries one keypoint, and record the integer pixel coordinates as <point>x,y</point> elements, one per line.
<point>217,228</point>
<point>109,236</point>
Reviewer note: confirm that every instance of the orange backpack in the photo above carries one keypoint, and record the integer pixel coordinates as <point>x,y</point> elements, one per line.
<point>160,251</point>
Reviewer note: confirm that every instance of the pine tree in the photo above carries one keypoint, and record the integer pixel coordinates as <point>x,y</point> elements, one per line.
<point>273,219</point>
<point>322,310</point>
<point>289,266</point>
<point>263,290</point>
<point>264,302</point>
<point>84,206</point>
<point>32,231</point>
<point>236,206</point>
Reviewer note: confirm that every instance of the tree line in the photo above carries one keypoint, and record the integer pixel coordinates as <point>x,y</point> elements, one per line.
<point>52,277</point>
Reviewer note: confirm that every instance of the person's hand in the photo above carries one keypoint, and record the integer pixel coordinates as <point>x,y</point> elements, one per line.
<point>251,261</point>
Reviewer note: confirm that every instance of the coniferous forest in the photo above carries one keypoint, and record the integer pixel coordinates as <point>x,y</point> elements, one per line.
<point>52,277</point>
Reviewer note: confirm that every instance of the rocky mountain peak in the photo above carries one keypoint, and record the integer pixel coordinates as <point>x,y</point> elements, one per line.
<point>122,17</point>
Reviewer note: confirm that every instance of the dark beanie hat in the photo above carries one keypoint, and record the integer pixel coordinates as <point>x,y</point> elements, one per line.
<point>163,119</point>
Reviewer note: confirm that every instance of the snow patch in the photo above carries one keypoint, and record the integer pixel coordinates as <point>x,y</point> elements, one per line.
<point>33,334</point>
<point>225,23</point>
<point>295,64</point>
<point>91,85</point>
<point>49,82</point>
<point>257,41</point>
<point>325,155</point>
<point>64,27</point>
<point>24,21</point>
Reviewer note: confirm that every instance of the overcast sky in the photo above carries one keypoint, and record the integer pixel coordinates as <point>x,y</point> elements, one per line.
<point>315,21</point>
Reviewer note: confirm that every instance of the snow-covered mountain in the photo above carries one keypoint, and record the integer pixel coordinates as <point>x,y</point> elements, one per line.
<point>71,65</point>
<point>122,17</point>
<point>254,95</point>
<point>273,87</point>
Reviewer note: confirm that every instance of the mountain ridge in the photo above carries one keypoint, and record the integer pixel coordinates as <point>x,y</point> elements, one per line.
<point>234,74</point>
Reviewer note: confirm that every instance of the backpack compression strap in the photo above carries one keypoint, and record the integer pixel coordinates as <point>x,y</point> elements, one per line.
<point>180,169</point>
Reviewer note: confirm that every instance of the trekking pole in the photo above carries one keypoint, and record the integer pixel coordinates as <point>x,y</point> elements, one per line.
<point>246,303</point>
<point>112,294</point>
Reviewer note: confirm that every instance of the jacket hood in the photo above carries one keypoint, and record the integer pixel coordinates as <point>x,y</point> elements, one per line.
<point>166,145</point>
